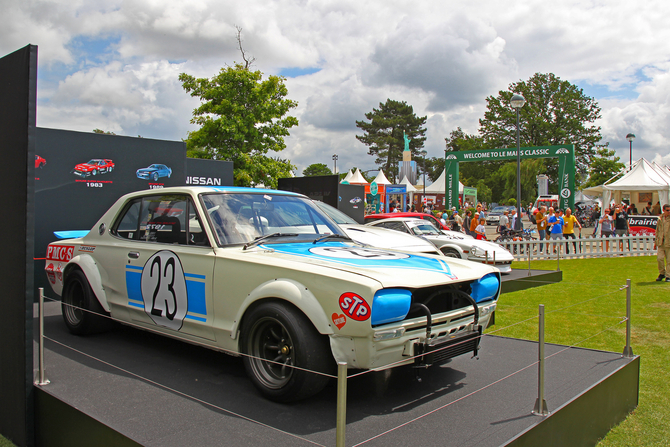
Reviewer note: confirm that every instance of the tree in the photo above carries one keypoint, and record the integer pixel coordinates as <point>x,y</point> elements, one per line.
<point>385,131</point>
<point>241,117</point>
<point>317,169</point>
<point>104,132</point>
<point>604,168</point>
<point>556,112</point>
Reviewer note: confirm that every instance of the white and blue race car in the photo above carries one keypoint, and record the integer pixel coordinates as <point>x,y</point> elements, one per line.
<point>267,275</point>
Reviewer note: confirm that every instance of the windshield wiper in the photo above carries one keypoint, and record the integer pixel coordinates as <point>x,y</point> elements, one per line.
<point>260,239</point>
<point>332,236</point>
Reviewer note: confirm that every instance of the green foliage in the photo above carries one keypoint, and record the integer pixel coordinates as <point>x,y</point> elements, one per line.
<point>604,167</point>
<point>317,169</point>
<point>484,193</point>
<point>383,134</point>
<point>585,310</point>
<point>241,117</point>
<point>511,202</point>
<point>556,112</point>
<point>104,132</point>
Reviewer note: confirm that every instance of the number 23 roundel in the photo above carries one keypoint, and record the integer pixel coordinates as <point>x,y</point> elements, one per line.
<point>164,290</point>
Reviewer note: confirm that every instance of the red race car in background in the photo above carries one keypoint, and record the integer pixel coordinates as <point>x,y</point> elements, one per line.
<point>39,162</point>
<point>93,167</point>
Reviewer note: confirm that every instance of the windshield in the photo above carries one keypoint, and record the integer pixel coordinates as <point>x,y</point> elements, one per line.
<point>241,218</point>
<point>499,209</point>
<point>335,214</point>
<point>425,228</point>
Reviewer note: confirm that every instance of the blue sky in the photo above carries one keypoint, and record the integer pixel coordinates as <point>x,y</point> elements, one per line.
<point>114,65</point>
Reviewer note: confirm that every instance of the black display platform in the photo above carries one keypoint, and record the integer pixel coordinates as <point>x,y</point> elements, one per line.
<point>210,401</point>
<point>520,279</point>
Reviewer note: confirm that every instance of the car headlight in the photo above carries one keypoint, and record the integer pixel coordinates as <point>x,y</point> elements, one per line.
<point>478,252</point>
<point>485,288</point>
<point>389,305</point>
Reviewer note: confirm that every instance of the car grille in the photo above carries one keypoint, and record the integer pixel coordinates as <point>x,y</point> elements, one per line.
<point>443,350</point>
<point>440,299</point>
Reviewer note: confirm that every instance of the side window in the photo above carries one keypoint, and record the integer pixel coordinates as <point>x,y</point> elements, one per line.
<point>166,219</point>
<point>398,226</point>
<point>128,227</point>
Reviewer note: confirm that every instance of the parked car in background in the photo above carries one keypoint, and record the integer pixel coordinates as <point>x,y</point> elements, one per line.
<point>493,217</point>
<point>453,244</point>
<point>93,167</point>
<point>427,217</point>
<point>378,237</point>
<point>154,172</point>
<point>267,274</point>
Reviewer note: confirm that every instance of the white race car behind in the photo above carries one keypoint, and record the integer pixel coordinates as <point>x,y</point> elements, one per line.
<point>452,243</point>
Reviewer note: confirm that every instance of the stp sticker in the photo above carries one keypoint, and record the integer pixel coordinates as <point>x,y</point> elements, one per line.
<point>59,252</point>
<point>339,320</point>
<point>164,290</point>
<point>354,306</point>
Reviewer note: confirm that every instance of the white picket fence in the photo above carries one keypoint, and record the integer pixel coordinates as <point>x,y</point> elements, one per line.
<point>586,247</point>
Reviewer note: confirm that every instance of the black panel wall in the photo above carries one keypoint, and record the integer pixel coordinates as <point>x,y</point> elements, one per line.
<point>18,96</point>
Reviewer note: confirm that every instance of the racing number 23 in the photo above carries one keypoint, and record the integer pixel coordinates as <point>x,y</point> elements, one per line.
<point>164,290</point>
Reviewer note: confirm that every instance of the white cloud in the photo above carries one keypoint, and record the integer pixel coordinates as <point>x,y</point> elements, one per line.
<point>114,65</point>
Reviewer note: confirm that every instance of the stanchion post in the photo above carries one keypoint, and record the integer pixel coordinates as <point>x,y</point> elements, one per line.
<point>340,430</point>
<point>558,258</point>
<point>41,379</point>
<point>540,404</point>
<point>628,350</point>
<point>530,252</point>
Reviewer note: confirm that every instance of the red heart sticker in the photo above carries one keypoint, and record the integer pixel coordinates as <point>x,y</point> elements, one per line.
<point>339,320</point>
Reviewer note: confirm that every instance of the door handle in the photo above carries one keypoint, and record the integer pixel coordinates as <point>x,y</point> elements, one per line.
<point>133,255</point>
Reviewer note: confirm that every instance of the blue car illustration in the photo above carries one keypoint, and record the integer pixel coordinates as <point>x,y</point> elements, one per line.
<point>154,172</point>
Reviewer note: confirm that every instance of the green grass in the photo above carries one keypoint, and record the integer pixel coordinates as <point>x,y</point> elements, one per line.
<point>586,309</point>
<point>4,442</point>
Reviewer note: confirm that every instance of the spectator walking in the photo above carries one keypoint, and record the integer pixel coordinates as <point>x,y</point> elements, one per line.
<point>503,223</point>
<point>480,229</point>
<point>605,223</point>
<point>620,219</point>
<point>663,244</point>
<point>467,221</point>
<point>656,210</point>
<point>555,222</point>
<point>569,229</point>
<point>512,221</point>
<point>473,224</point>
<point>541,221</point>
<point>457,225</point>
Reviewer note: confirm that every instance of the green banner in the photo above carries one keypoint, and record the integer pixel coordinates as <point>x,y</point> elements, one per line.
<point>566,167</point>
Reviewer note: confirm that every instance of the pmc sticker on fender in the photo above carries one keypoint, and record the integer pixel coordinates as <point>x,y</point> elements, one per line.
<point>60,252</point>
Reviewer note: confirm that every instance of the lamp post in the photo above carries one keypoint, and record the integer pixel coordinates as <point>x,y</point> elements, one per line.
<point>630,137</point>
<point>423,197</point>
<point>517,102</point>
<point>335,160</point>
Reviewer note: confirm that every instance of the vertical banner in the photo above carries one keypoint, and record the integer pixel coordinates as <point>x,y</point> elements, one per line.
<point>451,182</point>
<point>566,178</point>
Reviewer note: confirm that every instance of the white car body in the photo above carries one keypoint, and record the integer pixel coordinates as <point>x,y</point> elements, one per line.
<point>378,237</point>
<point>453,244</point>
<point>190,263</point>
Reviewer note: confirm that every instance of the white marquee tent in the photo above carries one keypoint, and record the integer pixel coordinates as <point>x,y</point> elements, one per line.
<point>644,177</point>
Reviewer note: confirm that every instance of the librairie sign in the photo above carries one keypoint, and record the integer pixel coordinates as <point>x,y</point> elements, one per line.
<point>566,168</point>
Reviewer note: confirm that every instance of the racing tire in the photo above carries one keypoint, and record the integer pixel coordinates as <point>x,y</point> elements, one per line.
<point>451,253</point>
<point>81,310</point>
<point>155,177</point>
<point>281,333</point>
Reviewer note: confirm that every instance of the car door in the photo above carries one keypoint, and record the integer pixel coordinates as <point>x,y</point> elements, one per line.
<point>161,266</point>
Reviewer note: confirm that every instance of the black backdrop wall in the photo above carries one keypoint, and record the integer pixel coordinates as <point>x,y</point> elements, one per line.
<point>18,96</point>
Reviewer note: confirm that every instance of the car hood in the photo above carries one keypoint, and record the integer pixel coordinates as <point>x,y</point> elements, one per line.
<point>84,166</point>
<point>385,238</point>
<point>391,268</point>
<point>147,170</point>
<point>491,247</point>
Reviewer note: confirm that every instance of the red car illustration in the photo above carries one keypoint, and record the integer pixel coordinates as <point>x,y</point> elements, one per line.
<point>39,162</point>
<point>93,167</point>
